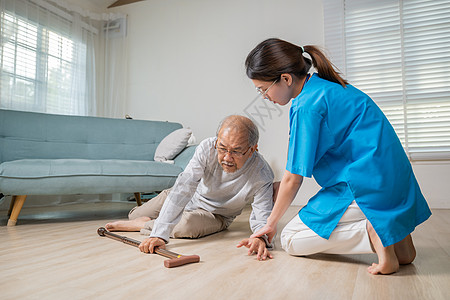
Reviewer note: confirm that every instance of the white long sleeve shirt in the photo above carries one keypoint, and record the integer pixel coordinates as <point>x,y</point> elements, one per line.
<point>204,184</point>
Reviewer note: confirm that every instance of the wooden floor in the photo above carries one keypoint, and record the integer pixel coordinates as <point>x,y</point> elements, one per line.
<point>58,255</point>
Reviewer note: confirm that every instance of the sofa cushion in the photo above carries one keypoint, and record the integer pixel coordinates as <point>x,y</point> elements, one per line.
<point>28,135</point>
<point>81,176</point>
<point>172,144</point>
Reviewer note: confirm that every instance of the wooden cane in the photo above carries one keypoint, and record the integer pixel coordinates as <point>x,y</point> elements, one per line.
<point>174,261</point>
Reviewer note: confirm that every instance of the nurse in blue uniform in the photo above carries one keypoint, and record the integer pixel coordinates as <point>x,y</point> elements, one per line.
<point>370,200</point>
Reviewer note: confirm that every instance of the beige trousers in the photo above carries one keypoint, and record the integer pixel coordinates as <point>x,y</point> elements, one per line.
<point>193,224</point>
<point>349,237</point>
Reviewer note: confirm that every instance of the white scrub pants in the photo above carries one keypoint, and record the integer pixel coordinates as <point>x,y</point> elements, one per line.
<point>349,237</point>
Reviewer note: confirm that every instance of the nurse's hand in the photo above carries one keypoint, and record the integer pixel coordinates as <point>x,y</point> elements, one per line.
<point>256,246</point>
<point>268,229</point>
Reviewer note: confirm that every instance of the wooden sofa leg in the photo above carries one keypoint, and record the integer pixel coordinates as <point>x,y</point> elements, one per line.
<point>137,196</point>
<point>17,207</point>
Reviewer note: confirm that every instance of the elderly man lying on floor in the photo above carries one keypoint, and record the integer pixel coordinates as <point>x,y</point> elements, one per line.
<point>225,173</point>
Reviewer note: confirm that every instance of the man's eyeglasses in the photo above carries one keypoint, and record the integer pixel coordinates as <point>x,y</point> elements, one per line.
<point>264,93</point>
<point>235,154</point>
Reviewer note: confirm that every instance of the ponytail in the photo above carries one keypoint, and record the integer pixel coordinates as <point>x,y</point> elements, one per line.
<point>324,66</point>
<point>273,57</point>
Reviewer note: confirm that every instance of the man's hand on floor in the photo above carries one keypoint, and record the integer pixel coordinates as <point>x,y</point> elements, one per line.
<point>256,246</point>
<point>149,245</point>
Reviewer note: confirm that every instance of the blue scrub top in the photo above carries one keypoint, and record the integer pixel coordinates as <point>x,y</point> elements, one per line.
<point>342,138</point>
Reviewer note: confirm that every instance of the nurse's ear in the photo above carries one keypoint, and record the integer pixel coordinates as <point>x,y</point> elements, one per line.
<point>286,78</point>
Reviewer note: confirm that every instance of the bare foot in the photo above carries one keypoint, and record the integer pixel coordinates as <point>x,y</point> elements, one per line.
<point>387,259</point>
<point>131,225</point>
<point>405,250</point>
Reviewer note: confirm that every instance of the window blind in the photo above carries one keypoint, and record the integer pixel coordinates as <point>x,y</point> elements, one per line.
<point>42,64</point>
<point>398,52</point>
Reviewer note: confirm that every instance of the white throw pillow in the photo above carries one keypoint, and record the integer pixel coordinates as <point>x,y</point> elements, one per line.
<point>172,144</point>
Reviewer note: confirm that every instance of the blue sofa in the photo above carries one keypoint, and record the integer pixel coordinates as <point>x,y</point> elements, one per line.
<point>45,154</point>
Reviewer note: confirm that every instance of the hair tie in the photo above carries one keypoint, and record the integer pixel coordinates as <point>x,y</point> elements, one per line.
<point>303,49</point>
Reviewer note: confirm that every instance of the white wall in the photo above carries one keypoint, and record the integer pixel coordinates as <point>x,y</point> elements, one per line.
<point>186,64</point>
<point>434,180</point>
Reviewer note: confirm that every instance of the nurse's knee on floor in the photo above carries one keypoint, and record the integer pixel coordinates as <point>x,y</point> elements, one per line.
<point>297,247</point>
<point>286,243</point>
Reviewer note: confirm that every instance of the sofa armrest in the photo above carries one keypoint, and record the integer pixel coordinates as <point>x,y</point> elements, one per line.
<point>185,156</point>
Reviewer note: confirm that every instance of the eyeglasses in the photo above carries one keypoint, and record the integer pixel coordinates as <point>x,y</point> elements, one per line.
<point>235,154</point>
<point>264,93</point>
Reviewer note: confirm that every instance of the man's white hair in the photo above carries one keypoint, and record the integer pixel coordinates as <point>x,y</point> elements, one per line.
<point>240,123</point>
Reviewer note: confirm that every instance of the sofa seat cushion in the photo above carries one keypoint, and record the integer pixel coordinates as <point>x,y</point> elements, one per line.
<point>82,176</point>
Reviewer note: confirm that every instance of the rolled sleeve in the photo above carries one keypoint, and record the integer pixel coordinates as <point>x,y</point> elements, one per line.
<point>261,207</point>
<point>181,193</point>
<point>303,142</point>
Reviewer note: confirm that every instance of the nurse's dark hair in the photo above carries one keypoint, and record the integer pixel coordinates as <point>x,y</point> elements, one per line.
<point>273,57</point>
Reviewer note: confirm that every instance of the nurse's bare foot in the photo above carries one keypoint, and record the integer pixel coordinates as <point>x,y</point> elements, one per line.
<point>387,259</point>
<point>130,225</point>
<point>405,250</point>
